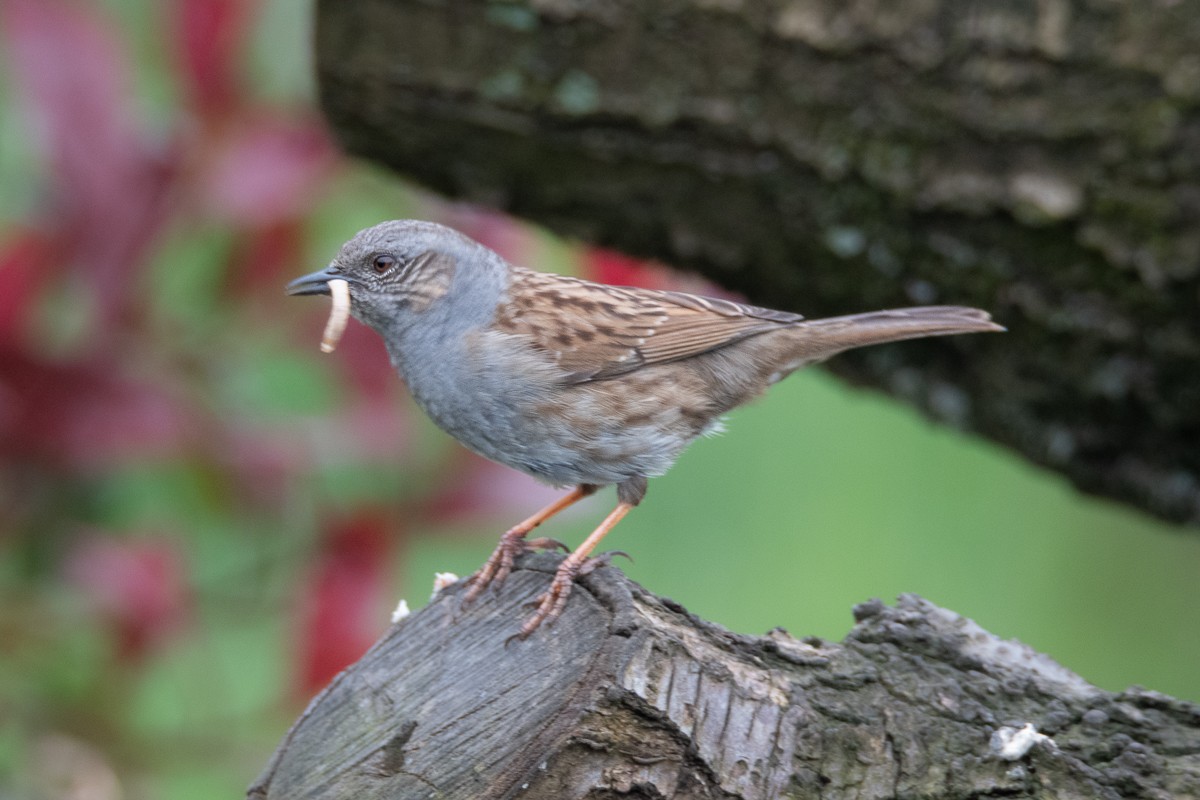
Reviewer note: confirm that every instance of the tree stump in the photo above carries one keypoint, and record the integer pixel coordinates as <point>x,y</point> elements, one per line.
<point>629,695</point>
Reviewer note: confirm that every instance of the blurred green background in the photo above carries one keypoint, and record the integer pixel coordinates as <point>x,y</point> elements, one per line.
<point>203,518</point>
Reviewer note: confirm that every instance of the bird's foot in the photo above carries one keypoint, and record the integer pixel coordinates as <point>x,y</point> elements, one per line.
<point>500,563</point>
<point>551,603</point>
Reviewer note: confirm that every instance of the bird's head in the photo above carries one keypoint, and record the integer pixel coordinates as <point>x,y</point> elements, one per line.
<point>399,270</point>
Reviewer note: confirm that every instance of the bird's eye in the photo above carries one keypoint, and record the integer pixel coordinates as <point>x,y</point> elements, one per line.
<point>382,263</point>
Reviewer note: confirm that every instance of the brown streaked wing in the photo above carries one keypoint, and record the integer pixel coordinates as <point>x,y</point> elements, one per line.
<point>596,331</point>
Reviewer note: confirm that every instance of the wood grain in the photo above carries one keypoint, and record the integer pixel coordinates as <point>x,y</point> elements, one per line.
<point>628,695</point>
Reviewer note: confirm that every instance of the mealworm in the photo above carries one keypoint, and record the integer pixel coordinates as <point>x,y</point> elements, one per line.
<point>339,313</point>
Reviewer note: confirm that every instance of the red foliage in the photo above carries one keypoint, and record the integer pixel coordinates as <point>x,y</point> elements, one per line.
<point>25,264</point>
<point>110,182</point>
<point>114,186</point>
<point>609,266</point>
<point>83,414</point>
<point>476,487</point>
<point>210,34</point>
<point>343,601</point>
<point>262,169</point>
<point>136,587</point>
<point>112,190</point>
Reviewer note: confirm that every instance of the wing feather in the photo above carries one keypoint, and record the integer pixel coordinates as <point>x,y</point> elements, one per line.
<point>595,331</point>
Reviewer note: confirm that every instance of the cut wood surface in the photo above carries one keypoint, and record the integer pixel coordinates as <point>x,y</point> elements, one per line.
<point>1040,160</point>
<point>628,695</point>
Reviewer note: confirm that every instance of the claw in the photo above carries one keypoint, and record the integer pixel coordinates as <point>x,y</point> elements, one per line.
<point>495,570</point>
<point>602,560</point>
<point>550,603</point>
<point>500,563</point>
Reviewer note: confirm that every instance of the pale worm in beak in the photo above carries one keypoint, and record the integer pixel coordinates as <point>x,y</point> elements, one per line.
<point>339,313</point>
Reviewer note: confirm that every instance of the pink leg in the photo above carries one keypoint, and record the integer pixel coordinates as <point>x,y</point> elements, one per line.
<point>552,602</point>
<point>513,543</point>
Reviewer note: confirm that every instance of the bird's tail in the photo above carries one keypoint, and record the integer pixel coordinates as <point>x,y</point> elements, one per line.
<point>819,339</point>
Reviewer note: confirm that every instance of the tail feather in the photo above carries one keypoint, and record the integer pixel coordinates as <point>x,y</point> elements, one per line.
<point>822,338</point>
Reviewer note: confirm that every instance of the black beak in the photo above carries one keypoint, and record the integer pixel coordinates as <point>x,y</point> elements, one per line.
<point>314,283</point>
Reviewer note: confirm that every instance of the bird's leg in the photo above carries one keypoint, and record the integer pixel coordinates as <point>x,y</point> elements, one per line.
<point>552,602</point>
<point>513,543</point>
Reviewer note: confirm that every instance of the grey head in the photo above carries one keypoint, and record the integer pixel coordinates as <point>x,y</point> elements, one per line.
<point>405,274</point>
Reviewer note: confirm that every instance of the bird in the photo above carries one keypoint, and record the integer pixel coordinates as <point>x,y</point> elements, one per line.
<point>579,384</point>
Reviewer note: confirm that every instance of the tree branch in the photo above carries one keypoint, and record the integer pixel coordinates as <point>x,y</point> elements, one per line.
<point>629,695</point>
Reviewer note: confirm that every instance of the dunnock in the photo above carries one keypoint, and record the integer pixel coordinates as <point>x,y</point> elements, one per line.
<point>578,383</point>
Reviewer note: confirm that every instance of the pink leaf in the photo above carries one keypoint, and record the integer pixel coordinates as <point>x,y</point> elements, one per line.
<point>109,196</point>
<point>266,259</point>
<point>137,586</point>
<point>25,263</point>
<point>479,489</point>
<point>618,269</point>
<point>266,170</point>
<point>363,361</point>
<point>343,602</point>
<point>210,34</point>
<point>84,414</point>
<point>609,266</point>
<point>501,233</point>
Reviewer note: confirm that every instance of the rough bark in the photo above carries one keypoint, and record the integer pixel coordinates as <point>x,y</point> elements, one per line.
<point>1039,159</point>
<point>628,695</point>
